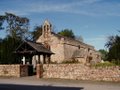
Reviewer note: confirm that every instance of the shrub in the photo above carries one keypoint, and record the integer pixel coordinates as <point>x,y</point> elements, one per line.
<point>105,64</point>
<point>117,62</point>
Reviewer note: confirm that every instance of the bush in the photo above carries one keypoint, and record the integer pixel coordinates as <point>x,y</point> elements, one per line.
<point>117,62</point>
<point>105,64</point>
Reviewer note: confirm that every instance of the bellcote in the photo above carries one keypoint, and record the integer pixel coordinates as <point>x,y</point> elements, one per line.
<point>46,29</point>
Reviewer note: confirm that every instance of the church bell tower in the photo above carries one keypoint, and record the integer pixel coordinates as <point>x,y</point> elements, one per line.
<point>46,29</point>
<point>46,33</point>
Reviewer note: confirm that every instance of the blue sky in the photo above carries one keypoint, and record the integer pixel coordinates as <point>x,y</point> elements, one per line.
<point>94,20</point>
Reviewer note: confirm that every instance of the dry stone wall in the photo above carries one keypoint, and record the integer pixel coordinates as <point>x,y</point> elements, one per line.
<point>80,72</point>
<point>13,70</point>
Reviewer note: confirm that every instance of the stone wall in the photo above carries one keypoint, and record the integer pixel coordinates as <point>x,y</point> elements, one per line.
<point>14,70</point>
<point>69,51</point>
<point>55,46</point>
<point>80,72</point>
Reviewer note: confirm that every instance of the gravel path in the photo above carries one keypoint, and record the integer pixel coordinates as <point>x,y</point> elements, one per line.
<point>86,85</point>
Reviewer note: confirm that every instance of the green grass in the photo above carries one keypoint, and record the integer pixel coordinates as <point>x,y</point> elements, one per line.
<point>105,64</point>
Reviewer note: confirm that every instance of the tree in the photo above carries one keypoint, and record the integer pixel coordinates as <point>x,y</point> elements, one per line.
<point>17,28</point>
<point>36,32</point>
<point>0,48</point>
<point>15,25</point>
<point>110,42</point>
<point>7,47</point>
<point>113,44</point>
<point>103,53</point>
<point>2,18</point>
<point>79,38</point>
<point>67,33</point>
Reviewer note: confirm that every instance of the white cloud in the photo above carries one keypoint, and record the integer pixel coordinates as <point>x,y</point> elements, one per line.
<point>14,11</point>
<point>81,7</point>
<point>61,7</point>
<point>40,7</point>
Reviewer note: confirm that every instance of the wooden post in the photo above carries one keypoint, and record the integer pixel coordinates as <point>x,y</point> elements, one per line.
<point>38,59</point>
<point>44,59</point>
<point>49,58</point>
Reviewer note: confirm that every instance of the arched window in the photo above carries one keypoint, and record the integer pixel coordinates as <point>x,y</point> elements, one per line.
<point>47,27</point>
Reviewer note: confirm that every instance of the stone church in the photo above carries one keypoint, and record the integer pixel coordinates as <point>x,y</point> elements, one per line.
<point>65,48</point>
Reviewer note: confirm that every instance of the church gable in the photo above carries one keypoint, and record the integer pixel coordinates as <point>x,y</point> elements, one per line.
<point>46,29</point>
<point>46,32</point>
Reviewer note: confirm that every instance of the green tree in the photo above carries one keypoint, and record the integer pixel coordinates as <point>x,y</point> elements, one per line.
<point>113,44</point>
<point>79,38</point>
<point>0,48</point>
<point>17,28</point>
<point>15,25</point>
<point>103,53</point>
<point>67,33</point>
<point>7,48</point>
<point>36,32</point>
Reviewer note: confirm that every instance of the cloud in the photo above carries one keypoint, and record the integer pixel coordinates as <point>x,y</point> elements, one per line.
<point>81,7</point>
<point>43,6</point>
<point>14,11</point>
<point>69,7</point>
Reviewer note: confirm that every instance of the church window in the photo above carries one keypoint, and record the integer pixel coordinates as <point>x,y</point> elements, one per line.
<point>47,27</point>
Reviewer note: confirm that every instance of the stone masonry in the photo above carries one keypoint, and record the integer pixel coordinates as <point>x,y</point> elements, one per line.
<point>14,70</point>
<point>80,72</point>
<point>65,48</point>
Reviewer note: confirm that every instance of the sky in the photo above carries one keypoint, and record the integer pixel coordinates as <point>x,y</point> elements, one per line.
<point>94,20</point>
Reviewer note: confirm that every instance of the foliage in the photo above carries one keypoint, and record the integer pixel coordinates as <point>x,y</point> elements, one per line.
<point>117,62</point>
<point>2,18</point>
<point>103,53</point>
<point>14,25</point>
<point>17,28</point>
<point>79,38</point>
<point>7,47</point>
<point>110,41</point>
<point>105,64</point>
<point>67,33</point>
<point>113,44</point>
<point>36,32</point>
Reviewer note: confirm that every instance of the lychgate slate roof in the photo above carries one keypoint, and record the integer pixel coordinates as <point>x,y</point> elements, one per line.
<point>35,47</point>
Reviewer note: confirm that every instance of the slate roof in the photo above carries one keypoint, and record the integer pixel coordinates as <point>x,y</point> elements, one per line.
<point>39,47</point>
<point>71,39</point>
